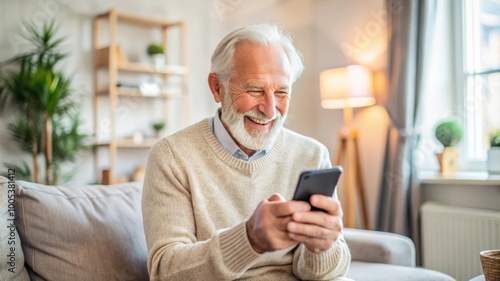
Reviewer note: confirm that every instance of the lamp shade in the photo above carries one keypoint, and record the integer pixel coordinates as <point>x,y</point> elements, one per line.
<point>349,86</point>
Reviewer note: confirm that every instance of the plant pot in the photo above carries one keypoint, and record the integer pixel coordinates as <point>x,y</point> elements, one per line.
<point>494,160</point>
<point>159,61</point>
<point>448,160</point>
<point>159,134</point>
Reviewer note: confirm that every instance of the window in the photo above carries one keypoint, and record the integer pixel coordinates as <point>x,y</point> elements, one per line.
<point>480,61</point>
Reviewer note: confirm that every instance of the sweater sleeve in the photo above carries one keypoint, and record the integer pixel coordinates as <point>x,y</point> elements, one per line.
<point>173,250</point>
<point>329,265</point>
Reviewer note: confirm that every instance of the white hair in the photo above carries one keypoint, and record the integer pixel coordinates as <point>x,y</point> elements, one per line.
<point>263,34</point>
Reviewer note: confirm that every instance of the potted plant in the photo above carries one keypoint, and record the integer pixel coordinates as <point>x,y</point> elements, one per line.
<point>158,126</point>
<point>494,152</point>
<point>47,120</point>
<point>448,133</point>
<point>157,54</point>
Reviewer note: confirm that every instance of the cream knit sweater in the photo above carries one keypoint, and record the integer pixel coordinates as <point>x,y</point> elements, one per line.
<point>196,200</point>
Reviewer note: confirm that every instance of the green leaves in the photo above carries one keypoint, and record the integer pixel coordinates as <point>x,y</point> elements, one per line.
<point>449,132</point>
<point>154,49</point>
<point>495,138</point>
<point>47,114</point>
<point>23,131</point>
<point>23,172</point>
<point>54,91</point>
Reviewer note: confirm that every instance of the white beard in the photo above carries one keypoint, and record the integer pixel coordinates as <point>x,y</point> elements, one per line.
<point>254,140</point>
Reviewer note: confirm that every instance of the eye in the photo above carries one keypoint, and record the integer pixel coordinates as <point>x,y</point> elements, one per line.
<point>255,92</point>
<point>281,94</point>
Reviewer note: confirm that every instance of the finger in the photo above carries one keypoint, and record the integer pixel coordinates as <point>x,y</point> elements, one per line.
<point>280,209</point>
<point>310,230</point>
<point>329,204</point>
<point>319,218</point>
<point>281,223</point>
<point>312,244</point>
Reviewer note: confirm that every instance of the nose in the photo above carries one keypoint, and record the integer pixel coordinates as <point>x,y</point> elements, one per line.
<point>268,105</point>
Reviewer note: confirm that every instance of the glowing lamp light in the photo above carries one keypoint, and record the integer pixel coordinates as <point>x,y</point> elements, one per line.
<point>346,87</point>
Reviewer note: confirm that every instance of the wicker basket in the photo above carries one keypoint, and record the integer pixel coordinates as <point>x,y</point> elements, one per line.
<point>490,261</point>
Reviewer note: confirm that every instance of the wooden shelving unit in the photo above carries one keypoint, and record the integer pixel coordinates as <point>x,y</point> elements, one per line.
<point>110,63</point>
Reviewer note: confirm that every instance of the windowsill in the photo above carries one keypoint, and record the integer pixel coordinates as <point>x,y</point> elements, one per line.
<point>459,178</point>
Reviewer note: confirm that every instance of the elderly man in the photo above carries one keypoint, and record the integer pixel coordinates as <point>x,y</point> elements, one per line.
<point>206,215</point>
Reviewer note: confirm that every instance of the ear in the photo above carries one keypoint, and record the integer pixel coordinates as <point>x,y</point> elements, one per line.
<point>215,86</point>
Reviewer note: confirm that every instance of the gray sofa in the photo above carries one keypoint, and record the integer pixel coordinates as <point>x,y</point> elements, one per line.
<point>96,233</point>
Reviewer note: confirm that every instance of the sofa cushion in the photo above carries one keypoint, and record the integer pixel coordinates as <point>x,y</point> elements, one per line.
<point>366,271</point>
<point>380,247</point>
<point>11,254</point>
<point>82,233</point>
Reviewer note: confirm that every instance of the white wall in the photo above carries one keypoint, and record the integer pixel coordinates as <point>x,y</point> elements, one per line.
<point>328,32</point>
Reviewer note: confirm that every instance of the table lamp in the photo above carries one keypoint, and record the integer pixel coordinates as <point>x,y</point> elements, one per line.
<point>346,88</point>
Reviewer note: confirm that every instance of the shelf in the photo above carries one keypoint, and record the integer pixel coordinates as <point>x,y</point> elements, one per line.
<point>129,143</point>
<point>142,68</point>
<point>102,61</point>
<point>459,178</point>
<point>140,20</point>
<point>134,92</point>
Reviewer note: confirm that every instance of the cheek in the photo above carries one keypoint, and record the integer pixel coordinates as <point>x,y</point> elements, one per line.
<point>245,104</point>
<point>282,105</point>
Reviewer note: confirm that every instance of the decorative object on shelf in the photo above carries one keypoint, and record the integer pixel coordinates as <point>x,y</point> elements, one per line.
<point>47,120</point>
<point>158,127</point>
<point>494,152</point>
<point>103,56</point>
<point>106,177</point>
<point>138,137</point>
<point>139,173</point>
<point>148,88</point>
<point>490,262</point>
<point>157,53</point>
<point>120,56</point>
<point>448,133</point>
<point>346,88</point>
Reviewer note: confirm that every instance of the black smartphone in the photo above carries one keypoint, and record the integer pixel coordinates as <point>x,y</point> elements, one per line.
<point>317,182</point>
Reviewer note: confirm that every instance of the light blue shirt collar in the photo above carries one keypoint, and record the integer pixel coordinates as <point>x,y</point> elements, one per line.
<point>227,142</point>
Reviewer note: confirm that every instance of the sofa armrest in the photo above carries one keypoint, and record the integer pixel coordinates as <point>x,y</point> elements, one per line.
<point>380,247</point>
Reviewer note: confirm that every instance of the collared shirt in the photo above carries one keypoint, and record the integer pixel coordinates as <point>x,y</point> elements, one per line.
<point>225,139</point>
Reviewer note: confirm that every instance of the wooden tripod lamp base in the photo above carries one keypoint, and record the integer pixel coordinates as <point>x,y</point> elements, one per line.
<point>348,157</point>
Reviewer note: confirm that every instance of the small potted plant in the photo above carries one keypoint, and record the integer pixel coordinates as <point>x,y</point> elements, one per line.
<point>494,152</point>
<point>157,54</point>
<point>448,133</point>
<point>158,126</point>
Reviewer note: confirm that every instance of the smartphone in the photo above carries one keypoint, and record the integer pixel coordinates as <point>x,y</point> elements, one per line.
<point>321,181</point>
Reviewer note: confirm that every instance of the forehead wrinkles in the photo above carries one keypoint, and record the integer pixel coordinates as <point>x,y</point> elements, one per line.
<point>261,86</point>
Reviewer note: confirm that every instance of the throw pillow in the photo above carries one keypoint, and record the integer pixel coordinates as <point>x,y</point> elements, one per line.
<point>82,233</point>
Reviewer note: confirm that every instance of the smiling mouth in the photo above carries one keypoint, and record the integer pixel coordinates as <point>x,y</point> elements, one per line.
<point>258,121</point>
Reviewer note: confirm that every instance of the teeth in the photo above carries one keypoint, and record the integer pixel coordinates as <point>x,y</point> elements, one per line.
<point>258,121</point>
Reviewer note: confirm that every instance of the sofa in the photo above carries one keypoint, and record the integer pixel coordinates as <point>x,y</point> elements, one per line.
<point>96,233</point>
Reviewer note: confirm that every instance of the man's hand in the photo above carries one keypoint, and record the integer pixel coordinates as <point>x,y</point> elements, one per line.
<point>267,228</point>
<point>317,230</point>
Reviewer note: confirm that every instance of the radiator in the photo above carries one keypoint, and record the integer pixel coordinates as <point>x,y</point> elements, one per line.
<point>452,238</point>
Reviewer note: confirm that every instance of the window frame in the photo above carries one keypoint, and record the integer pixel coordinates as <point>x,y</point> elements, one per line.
<point>472,161</point>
